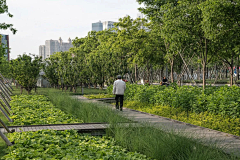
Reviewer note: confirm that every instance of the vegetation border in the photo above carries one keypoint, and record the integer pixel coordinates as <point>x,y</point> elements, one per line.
<point>188,124</point>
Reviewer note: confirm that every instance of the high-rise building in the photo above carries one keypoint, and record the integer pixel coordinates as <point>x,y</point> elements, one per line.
<point>5,41</point>
<point>108,25</point>
<point>97,26</point>
<point>53,46</point>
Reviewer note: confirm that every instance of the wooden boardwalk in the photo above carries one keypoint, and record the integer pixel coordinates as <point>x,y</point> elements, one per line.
<point>81,127</point>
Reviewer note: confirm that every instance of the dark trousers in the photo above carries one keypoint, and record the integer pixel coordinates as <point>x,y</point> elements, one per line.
<point>119,98</point>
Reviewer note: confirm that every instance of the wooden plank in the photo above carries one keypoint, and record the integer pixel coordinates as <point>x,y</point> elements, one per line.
<point>68,127</point>
<point>74,126</point>
<point>60,127</point>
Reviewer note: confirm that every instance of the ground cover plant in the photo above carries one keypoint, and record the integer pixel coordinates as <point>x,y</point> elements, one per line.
<point>203,119</point>
<point>146,140</point>
<point>218,100</point>
<point>50,144</point>
<point>96,96</point>
<point>37,109</point>
<point>215,107</point>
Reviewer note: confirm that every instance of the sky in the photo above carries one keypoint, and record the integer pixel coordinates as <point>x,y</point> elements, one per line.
<point>40,20</point>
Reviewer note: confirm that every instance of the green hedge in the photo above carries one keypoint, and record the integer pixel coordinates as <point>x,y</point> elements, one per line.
<point>224,100</point>
<point>204,119</point>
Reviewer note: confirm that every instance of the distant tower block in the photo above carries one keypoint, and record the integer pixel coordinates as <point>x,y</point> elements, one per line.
<point>69,40</point>
<point>60,40</point>
<point>53,46</point>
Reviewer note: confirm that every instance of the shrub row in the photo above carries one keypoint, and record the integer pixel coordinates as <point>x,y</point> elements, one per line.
<point>224,100</point>
<point>204,119</point>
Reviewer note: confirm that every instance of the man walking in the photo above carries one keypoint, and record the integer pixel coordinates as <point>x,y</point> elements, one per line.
<point>119,88</point>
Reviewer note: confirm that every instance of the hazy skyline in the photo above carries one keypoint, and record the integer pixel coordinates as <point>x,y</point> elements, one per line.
<point>40,20</point>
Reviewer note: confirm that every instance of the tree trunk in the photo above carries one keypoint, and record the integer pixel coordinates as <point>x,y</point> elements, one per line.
<point>161,74</point>
<point>151,75</point>
<point>207,74</point>
<point>65,89</point>
<point>232,72</point>
<point>136,75</point>
<point>74,89</point>
<point>231,76</point>
<point>204,74</point>
<point>198,71</point>
<point>172,64</point>
<point>204,65</point>
<point>101,86</point>
<point>237,69</point>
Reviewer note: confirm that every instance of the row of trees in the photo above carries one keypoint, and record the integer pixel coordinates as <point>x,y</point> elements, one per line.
<point>180,35</point>
<point>100,56</point>
<point>206,31</point>
<point>183,36</point>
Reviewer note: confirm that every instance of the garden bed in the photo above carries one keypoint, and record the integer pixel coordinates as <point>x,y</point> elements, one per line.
<point>134,140</point>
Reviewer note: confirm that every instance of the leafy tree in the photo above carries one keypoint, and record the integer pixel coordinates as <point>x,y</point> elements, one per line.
<point>25,70</point>
<point>49,67</point>
<point>4,64</point>
<point>139,43</point>
<point>182,26</point>
<point>4,10</point>
<point>221,24</point>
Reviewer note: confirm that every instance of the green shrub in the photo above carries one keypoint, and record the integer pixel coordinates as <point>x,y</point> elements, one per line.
<point>204,119</point>
<point>218,100</point>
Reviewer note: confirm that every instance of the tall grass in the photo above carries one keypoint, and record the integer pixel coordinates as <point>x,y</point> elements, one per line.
<point>146,139</point>
<point>88,112</point>
<point>164,146</point>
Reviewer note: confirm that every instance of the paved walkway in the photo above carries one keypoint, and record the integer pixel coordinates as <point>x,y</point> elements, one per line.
<point>230,143</point>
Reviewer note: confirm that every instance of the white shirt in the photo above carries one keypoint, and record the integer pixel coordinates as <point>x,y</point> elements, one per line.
<point>119,87</point>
